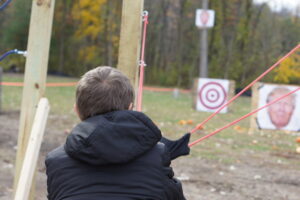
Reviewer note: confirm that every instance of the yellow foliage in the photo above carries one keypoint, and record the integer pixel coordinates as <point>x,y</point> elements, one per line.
<point>90,20</point>
<point>289,69</point>
<point>90,24</point>
<point>95,27</point>
<point>88,53</point>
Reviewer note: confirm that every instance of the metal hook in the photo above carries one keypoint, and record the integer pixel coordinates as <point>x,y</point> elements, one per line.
<point>142,63</point>
<point>145,13</point>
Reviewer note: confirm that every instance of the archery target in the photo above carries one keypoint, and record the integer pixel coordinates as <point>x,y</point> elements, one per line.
<point>283,115</point>
<point>205,18</point>
<point>212,94</point>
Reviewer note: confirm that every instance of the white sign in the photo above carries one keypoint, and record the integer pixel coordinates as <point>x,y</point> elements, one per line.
<point>205,18</point>
<point>212,94</point>
<point>283,115</point>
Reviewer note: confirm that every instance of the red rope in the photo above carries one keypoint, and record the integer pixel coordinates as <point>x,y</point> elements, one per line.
<point>246,88</point>
<point>243,117</point>
<point>142,63</point>
<point>16,84</point>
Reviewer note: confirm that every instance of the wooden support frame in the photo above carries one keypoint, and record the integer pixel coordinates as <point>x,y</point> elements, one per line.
<point>254,105</point>
<point>130,39</point>
<point>32,151</point>
<point>35,72</point>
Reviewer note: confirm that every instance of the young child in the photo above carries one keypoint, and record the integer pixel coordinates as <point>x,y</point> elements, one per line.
<point>114,153</point>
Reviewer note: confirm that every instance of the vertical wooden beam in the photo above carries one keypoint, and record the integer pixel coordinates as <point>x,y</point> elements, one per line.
<point>33,150</point>
<point>231,94</point>
<point>254,105</point>
<point>130,39</point>
<point>35,72</point>
<point>195,92</point>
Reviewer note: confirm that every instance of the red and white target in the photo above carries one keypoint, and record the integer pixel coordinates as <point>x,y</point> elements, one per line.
<point>212,94</point>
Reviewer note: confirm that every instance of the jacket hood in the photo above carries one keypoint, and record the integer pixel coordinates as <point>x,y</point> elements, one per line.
<point>112,138</point>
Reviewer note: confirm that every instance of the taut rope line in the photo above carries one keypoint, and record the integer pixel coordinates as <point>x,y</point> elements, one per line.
<point>142,63</point>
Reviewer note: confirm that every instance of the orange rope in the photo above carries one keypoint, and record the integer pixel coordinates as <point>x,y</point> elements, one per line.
<point>20,84</point>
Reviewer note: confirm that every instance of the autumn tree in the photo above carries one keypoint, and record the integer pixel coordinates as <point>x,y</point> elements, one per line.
<point>247,39</point>
<point>96,32</point>
<point>289,70</point>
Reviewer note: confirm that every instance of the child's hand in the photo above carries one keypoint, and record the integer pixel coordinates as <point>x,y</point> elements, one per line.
<point>178,147</point>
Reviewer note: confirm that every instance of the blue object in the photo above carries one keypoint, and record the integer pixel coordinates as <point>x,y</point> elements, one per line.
<point>5,4</point>
<point>15,51</point>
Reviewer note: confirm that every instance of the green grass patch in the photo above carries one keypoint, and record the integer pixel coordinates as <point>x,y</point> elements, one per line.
<point>61,98</point>
<point>166,112</point>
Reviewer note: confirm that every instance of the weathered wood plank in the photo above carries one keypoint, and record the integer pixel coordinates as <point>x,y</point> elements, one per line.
<point>32,151</point>
<point>130,39</point>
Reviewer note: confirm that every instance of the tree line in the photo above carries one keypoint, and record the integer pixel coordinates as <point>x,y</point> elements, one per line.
<point>246,40</point>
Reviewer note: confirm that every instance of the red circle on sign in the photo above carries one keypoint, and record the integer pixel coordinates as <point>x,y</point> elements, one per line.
<point>210,95</point>
<point>203,101</point>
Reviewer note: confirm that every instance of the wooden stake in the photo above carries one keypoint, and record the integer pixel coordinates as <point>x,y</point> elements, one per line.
<point>254,105</point>
<point>231,93</point>
<point>32,152</point>
<point>130,39</point>
<point>35,72</point>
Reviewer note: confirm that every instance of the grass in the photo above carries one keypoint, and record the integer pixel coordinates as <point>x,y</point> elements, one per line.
<point>166,112</point>
<point>61,98</point>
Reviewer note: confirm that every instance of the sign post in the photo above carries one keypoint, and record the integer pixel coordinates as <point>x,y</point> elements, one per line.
<point>204,20</point>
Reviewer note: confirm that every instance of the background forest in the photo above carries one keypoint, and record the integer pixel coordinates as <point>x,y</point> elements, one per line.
<point>246,40</point>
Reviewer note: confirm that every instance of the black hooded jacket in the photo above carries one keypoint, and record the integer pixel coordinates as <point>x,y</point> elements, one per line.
<point>115,156</point>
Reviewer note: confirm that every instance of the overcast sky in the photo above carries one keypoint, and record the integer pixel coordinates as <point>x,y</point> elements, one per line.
<point>278,4</point>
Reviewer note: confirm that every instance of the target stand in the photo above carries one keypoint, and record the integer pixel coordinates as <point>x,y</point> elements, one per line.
<point>210,94</point>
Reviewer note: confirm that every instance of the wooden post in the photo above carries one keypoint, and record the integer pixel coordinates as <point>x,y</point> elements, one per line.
<point>231,94</point>
<point>32,151</point>
<point>195,92</point>
<point>35,72</point>
<point>203,66</point>
<point>130,39</point>
<point>254,105</point>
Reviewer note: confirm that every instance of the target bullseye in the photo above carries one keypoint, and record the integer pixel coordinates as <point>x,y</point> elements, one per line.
<point>212,95</point>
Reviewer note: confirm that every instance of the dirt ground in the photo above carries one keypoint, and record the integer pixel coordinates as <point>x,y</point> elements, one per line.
<point>254,176</point>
